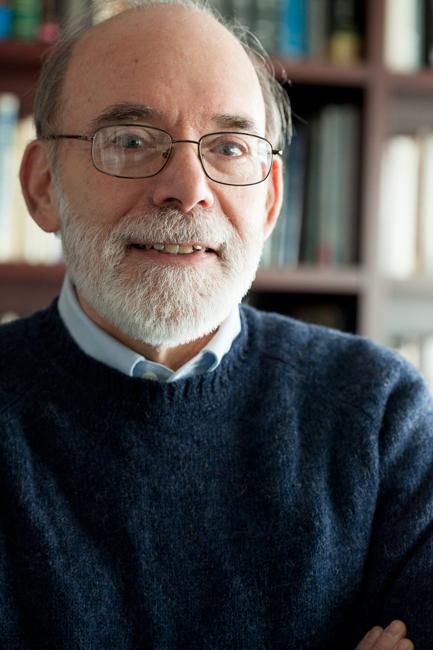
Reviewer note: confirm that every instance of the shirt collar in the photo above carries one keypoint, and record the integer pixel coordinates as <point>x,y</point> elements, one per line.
<point>95,342</point>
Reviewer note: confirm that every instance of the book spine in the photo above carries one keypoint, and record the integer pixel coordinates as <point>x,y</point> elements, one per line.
<point>295,184</point>
<point>426,205</point>
<point>243,12</point>
<point>428,34</point>
<point>265,23</point>
<point>403,35</point>
<point>399,207</point>
<point>329,134</point>
<point>5,21</point>
<point>26,19</point>
<point>317,26</point>
<point>9,106</point>
<point>344,44</point>
<point>348,188</point>
<point>309,233</point>
<point>293,28</point>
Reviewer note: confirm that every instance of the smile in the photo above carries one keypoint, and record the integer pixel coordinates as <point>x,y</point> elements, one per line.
<point>175,249</point>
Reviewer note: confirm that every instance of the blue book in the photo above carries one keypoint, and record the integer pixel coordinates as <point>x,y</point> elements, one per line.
<point>293,28</point>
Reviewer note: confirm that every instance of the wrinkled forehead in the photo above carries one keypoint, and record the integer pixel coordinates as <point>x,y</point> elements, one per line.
<point>178,60</point>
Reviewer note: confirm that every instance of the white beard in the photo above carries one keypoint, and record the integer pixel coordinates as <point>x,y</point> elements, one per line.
<point>162,305</point>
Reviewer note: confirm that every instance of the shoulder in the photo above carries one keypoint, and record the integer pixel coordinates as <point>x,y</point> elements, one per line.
<point>23,359</point>
<point>328,359</point>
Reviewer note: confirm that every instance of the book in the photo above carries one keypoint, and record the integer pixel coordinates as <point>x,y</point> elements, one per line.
<point>78,11</point>
<point>344,40</point>
<point>295,199</point>
<point>428,33</point>
<point>293,28</point>
<point>309,231</point>
<point>49,29</point>
<point>398,210</point>
<point>425,205</point>
<point>317,28</point>
<point>329,232</point>
<point>403,34</point>
<point>347,187</point>
<point>265,23</point>
<point>242,12</point>
<point>328,185</point>
<point>5,21</point>
<point>26,19</point>
<point>418,350</point>
<point>21,240</point>
<point>221,7</point>
<point>9,107</point>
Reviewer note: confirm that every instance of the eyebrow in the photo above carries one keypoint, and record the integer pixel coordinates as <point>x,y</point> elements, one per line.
<point>130,111</point>
<point>122,113</point>
<point>235,121</point>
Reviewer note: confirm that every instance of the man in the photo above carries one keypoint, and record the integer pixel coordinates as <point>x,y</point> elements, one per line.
<point>179,471</point>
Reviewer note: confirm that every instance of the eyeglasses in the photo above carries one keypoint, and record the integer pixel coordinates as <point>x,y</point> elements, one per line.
<point>139,151</point>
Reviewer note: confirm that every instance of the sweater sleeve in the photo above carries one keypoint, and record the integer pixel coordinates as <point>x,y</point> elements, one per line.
<point>399,567</point>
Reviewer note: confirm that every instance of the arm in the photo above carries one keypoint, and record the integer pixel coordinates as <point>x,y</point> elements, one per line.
<point>399,568</point>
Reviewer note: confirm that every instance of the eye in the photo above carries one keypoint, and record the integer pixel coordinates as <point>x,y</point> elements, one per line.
<point>129,141</point>
<point>230,149</point>
<point>227,146</point>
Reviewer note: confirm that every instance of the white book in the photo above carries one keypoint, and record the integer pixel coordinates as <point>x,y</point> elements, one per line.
<point>409,348</point>
<point>24,133</point>
<point>427,360</point>
<point>426,205</point>
<point>29,243</point>
<point>9,106</point>
<point>399,206</point>
<point>402,44</point>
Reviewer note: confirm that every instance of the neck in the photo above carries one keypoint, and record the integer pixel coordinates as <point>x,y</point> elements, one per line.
<point>172,357</point>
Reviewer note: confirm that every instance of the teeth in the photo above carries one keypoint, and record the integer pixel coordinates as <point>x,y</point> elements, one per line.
<point>171,248</point>
<point>174,249</point>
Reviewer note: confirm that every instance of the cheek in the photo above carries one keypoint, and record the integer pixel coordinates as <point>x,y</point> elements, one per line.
<point>245,207</point>
<point>101,197</point>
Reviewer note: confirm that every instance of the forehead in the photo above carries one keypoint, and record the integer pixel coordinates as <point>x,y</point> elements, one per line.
<point>177,60</point>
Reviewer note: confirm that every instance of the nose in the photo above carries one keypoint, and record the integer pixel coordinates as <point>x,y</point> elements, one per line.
<point>182,182</point>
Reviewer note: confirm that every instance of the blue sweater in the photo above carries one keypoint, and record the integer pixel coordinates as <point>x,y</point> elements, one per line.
<point>284,501</point>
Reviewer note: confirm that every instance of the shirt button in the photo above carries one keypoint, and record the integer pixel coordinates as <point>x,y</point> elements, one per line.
<point>150,375</point>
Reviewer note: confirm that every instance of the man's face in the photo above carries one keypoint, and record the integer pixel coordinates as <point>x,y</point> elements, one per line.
<point>175,69</point>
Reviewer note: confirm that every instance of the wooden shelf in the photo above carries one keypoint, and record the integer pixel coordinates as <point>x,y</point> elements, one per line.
<point>311,71</point>
<point>25,288</point>
<point>421,81</point>
<point>416,287</point>
<point>307,279</point>
<point>22,273</point>
<point>21,53</point>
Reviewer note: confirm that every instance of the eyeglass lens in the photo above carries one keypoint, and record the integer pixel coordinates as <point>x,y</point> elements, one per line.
<point>139,152</point>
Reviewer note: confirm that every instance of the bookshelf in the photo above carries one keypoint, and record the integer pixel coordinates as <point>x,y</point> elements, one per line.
<point>385,99</point>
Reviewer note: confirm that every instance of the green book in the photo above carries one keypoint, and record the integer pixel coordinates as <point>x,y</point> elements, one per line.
<point>26,19</point>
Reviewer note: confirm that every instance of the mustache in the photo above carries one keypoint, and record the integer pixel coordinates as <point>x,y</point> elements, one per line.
<point>170,224</point>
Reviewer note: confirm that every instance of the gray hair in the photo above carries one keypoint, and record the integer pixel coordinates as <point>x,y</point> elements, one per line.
<point>48,98</point>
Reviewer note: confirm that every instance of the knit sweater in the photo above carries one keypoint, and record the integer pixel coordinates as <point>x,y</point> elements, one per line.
<point>283,501</point>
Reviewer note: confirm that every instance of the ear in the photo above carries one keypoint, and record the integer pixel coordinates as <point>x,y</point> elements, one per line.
<point>274,197</point>
<point>37,186</point>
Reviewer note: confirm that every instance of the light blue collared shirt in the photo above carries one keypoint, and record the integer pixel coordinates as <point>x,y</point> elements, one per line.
<point>106,349</point>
